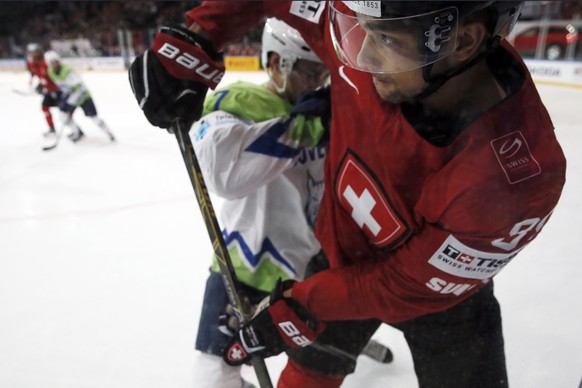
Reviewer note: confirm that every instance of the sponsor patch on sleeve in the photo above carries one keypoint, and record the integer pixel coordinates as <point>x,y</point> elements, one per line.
<point>308,10</point>
<point>515,158</point>
<point>455,258</point>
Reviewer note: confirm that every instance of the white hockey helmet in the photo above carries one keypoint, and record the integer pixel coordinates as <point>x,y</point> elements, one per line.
<point>32,47</point>
<point>51,56</point>
<point>286,41</point>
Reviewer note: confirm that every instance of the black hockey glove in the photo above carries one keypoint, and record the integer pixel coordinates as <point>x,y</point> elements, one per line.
<point>40,89</point>
<point>55,95</point>
<point>312,118</point>
<point>171,79</point>
<point>277,324</point>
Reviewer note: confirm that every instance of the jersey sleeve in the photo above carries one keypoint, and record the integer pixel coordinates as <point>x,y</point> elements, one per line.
<point>242,140</point>
<point>469,232</point>
<point>29,69</point>
<point>401,285</point>
<point>228,21</point>
<point>432,271</point>
<point>238,156</point>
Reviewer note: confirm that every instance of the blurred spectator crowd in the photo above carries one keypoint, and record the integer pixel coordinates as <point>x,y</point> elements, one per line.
<point>97,22</point>
<point>106,28</point>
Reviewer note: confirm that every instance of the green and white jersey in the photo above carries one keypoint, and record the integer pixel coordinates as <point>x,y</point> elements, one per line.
<point>271,185</point>
<point>71,84</point>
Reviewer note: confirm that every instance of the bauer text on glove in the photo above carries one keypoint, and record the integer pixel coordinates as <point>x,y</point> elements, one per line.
<point>279,323</point>
<point>171,79</point>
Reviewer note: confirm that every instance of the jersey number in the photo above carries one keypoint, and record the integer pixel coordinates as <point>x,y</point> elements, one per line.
<point>519,231</point>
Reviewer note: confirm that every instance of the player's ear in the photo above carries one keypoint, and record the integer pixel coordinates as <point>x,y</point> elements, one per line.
<point>470,38</point>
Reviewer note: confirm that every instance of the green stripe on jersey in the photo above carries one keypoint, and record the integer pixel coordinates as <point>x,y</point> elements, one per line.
<point>264,277</point>
<point>247,101</point>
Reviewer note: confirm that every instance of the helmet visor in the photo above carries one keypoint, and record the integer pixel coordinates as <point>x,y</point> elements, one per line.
<point>375,38</point>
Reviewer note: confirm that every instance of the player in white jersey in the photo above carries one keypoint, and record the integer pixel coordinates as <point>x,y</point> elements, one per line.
<point>74,94</point>
<point>250,143</point>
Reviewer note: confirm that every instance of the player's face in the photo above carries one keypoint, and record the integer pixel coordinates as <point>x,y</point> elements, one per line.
<point>389,49</point>
<point>36,55</point>
<point>397,88</point>
<point>306,76</point>
<point>55,65</point>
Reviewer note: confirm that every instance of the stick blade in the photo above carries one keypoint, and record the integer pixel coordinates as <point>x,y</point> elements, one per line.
<point>49,147</point>
<point>378,352</point>
<point>24,92</point>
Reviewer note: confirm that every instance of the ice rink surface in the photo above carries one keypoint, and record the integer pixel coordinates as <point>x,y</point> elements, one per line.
<point>104,255</point>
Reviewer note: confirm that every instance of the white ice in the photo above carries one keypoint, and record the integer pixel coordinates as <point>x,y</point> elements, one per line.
<point>104,255</point>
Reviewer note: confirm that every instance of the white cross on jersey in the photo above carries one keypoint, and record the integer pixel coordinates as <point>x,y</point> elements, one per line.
<point>362,196</point>
<point>362,209</point>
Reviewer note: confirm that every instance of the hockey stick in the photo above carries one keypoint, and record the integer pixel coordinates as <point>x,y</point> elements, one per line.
<point>57,138</point>
<point>231,284</point>
<point>25,93</point>
<point>373,349</point>
<point>378,352</point>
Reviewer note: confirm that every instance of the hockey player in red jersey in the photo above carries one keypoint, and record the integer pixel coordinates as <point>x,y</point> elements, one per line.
<point>442,166</point>
<point>37,67</point>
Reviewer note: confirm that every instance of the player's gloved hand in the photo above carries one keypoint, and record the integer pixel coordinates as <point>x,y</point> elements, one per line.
<point>228,322</point>
<point>277,324</point>
<point>312,117</point>
<point>171,79</point>
<point>63,105</point>
<point>39,89</point>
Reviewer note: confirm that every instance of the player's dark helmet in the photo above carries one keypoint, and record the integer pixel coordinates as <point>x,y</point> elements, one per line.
<point>407,35</point>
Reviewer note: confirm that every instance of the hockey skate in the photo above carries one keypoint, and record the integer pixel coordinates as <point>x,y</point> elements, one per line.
<point>109,134</point>
<point>101,124</point>
<point>50,133</point>
<point>76,136</point>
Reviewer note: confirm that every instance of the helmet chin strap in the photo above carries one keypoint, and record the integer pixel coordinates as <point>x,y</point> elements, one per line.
<point>279,89</point>
<point>435,82</point>
<point>286,67</point>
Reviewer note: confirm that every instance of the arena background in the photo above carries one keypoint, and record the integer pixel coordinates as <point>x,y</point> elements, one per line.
<point>103,252</point>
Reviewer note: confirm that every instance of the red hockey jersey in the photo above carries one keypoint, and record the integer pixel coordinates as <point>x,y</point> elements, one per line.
<point>412,228</point>
<point>40,70</point>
